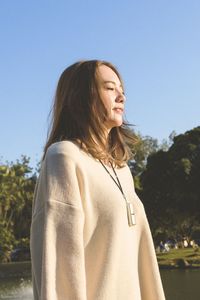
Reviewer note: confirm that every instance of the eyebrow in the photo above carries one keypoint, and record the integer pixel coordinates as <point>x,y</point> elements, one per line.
<point>110,81</point>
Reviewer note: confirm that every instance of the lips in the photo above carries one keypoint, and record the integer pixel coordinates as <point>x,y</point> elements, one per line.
<point>119,110</point>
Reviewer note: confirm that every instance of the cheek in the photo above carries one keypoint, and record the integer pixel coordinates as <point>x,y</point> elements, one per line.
<point>107,103</point>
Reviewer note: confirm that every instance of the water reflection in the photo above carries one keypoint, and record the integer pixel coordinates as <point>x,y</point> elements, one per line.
<point>181,284</point>
<point>16,289</point>
<point>178,285</point>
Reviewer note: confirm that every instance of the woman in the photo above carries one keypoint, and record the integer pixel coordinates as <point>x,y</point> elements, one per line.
<point>90,238</point>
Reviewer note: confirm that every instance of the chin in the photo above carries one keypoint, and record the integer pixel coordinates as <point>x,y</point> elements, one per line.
<point>117,124</point>
<point>114,123</point>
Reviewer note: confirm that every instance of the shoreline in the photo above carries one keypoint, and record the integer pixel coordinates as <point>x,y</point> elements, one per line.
<point>175,267</point>
<point>16,269</point>
<point>182,258</point>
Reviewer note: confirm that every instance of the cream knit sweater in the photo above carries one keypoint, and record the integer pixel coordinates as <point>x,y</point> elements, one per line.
<point>81,244</point>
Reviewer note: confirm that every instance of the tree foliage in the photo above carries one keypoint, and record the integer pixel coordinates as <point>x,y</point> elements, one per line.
<point>170,185</point>
<point>16,193</point>
<point>145,146</point>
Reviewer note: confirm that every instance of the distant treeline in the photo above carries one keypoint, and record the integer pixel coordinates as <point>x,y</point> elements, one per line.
<point>166,177</point>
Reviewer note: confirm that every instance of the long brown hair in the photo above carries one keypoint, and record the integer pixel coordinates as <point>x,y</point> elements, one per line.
<point>78,114</point>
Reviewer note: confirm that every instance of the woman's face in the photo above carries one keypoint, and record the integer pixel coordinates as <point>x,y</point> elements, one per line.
<point>112,96</point>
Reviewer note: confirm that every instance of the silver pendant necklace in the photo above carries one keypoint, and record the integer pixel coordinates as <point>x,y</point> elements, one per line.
<point>129,205</point>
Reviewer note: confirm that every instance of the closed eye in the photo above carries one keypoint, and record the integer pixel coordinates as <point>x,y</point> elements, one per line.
<point>112,89</point>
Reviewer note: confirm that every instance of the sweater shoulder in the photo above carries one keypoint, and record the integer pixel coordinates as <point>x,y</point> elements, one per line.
<point>68,149</point>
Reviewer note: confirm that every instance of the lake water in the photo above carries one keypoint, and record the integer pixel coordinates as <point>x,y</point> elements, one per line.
<point>181,284</point>
<point>178,285</point>
<point>16,289</point>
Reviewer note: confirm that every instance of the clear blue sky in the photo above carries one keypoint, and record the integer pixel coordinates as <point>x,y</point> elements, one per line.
<point>154,44</point>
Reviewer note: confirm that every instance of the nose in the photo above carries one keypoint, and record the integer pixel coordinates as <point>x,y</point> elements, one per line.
<point>120,97</point>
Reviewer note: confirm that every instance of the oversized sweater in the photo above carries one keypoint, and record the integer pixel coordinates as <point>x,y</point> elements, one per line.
<point>81,244</point>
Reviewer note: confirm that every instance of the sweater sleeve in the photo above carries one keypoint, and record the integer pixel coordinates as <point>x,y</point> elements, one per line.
<point>150,280</point>
<point>58,264</point>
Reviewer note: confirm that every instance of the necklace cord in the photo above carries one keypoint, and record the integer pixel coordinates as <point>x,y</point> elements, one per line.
<point>116,182</point>
<point>129,205</point>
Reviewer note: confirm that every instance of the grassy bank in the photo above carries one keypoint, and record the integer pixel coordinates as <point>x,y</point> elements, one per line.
<point>179,258</point>
<point>175,258</point>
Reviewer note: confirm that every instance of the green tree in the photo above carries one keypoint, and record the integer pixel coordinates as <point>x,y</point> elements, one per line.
<point>16,193</point>
<point>170,185</point>
<point>146,146</point>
